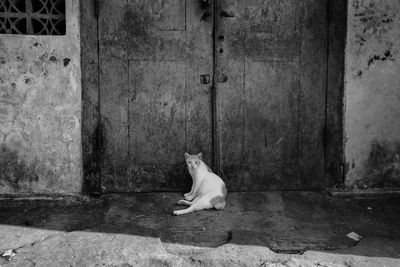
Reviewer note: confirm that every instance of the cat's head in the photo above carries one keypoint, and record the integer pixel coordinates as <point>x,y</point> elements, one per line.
<point>193,161</point>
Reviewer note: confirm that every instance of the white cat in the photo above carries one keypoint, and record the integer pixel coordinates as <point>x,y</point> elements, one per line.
<point>208,190</point>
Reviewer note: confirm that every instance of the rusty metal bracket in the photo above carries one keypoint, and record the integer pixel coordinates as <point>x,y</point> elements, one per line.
<point>222,78</point>
<point>205,78</point>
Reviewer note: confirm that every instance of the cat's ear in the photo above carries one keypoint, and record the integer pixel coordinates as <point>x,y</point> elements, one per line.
<point>186,155</point>
<point>200,155</point>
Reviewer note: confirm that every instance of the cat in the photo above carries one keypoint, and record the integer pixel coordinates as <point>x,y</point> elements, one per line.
<point>208,190</point>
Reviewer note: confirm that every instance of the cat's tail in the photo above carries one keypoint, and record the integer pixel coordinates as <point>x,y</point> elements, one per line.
<point>220,205</point>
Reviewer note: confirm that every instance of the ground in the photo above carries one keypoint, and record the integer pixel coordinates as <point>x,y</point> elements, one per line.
<point>255,229</point>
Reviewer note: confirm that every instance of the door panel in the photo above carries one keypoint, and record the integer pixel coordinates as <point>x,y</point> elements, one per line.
<point>312,98</point>
<point>114,119</point>
<point>157,111</point>
<point>271,102</point>
<point>153,105</point>
<point>156,122</point>
<point>271,120</point>
<point>268,137</point>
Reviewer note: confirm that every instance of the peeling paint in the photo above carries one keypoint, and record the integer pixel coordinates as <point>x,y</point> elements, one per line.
<point>386,56</point>
<point>66,61</point>
<point>374,19</point>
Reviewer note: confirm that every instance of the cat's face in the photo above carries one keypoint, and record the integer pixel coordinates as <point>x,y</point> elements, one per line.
<point>193,161</point>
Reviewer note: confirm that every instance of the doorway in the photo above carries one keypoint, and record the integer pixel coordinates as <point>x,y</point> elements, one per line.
<point>254,85</point>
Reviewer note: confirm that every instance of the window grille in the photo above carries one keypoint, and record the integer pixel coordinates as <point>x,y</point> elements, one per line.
<point>34,17</point>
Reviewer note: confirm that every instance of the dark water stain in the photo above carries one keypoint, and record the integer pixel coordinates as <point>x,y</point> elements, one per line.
<point>14,171</point>
<point>383,166</point>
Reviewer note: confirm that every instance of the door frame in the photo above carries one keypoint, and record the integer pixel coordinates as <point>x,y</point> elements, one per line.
<point>91,130</point>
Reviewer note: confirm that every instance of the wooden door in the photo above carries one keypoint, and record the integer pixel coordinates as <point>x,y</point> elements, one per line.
<point>271,66</point>
<point>247,86</point>
<point>155,94</point>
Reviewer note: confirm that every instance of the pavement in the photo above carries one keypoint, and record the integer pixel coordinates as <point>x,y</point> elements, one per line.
<point>256,229</point>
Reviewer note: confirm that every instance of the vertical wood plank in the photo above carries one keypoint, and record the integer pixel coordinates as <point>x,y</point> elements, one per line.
<point>313,66</point>
<point>113,96</point>
<point>272,87</point>
<point>199,62</point>
<point>90,99</point>
<point>333,136</point>
<point>230,75</point>
<point>157,125</point>
<point>272,124</point>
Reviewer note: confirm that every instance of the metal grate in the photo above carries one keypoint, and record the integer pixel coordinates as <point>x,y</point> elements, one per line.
<point>35,17</point>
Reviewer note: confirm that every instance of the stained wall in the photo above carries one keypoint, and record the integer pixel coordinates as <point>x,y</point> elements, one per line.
<point>40,111</point>
<point>372,94</point>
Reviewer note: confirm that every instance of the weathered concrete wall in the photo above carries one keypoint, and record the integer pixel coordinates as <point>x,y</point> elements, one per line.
<point>40,111</point>
<point>372,93</point>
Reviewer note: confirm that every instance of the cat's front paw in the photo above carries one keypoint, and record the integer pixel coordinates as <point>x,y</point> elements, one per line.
<point>181,202</point>
<point>186,194</point>
<point>189,197</point>
<point>176,212</point>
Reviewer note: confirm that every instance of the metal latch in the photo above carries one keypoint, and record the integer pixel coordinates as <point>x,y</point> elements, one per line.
<point>205,78</point>
<point>222,78</point>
